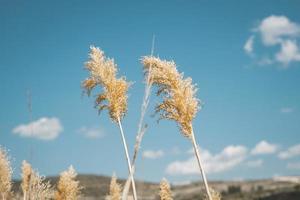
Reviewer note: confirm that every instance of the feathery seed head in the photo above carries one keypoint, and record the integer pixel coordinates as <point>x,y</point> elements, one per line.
<point>68,188</point>
<point>33,185</point>
<point>26,176</point>
<point>5,173</point>
<point>179,103</point>
<point>165,190</point>
<point>114,189</point>
<point>103,72</point>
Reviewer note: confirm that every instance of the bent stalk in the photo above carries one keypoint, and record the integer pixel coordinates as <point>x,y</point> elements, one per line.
<point>141,126</point>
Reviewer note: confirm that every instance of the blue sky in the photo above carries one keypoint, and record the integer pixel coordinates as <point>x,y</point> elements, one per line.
<point>244,57</point>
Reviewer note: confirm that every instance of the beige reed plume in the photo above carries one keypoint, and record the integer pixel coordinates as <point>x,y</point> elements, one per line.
<point>68,188</point>
<point>114,189</point>
<point>26,177</point>
<point>34,186</point>
<point>165,190</point>
<point>5,174</point>
<point>179,101</point>
<point>103,72</point>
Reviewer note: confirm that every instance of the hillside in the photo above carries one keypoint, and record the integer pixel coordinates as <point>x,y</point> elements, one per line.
<point>96,187</point>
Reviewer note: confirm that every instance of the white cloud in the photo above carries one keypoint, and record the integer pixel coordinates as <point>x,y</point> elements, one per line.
<point>263,147</point>
<point>227,159</point>
<point>274,29</point>
<point>289,52</point>
<point>248,47</point>
<point>277,31</point>
<point>290,152</point>
<point>43,128</point>
<point>255,163</point>
<point>91,133</point>
<point>153,154</point>
<point>286,110</point>
<point>293,165</point>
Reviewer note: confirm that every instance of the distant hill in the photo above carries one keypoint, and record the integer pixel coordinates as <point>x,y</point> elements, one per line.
<point>96,187</point>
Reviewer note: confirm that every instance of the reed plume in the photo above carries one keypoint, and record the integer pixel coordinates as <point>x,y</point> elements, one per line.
<point>34,186</point>
<point>5,174</point>
<point>114,189</point>
<point>103,72</point>
<point>68,188</point>
<point>179,101</point>
<point>165,190</point>
<point>26,177</point>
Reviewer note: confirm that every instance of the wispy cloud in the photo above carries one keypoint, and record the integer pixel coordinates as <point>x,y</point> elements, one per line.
<point>248,47</point>
<point>227,159</point>
<point>91,132</point>
<point>286,110</point>
<point>153,154</point>
<point>291,152</point>
<point>264,147</point>
<point>276,31</point>
<point>43,128</point>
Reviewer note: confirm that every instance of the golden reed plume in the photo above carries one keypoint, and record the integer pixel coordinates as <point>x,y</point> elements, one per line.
<point>26,177</point>
<point>165,190</point>
<point>103,72</point>
<point>5,174</point>
<point>33,185</point>
<point>114,189</point>
<point>179,101</point>
<point>68,188</point>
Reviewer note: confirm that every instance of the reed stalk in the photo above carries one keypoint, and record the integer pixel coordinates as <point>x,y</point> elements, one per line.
<point>141,126</point>
<point>128,160</point>
<point>179,102</point>
<point>197,154</point>
<point>103,73</point>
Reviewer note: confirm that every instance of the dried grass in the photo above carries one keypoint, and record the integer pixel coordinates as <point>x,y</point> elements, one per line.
<point>114,189</point>
<point>5,174</point>
<point>103,72</point>
<point>34,186</point>
<point>165,190</point>
<point>68,188</point>
<point>179,101</point>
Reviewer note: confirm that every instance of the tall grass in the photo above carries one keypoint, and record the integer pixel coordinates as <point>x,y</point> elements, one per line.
<point>103,72</point>
<point>5,174</point>
<point>34,186</point>
<point>68,188</point>
<point>165,190</point>
<point>114,189</point>
<point>179,102</point>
